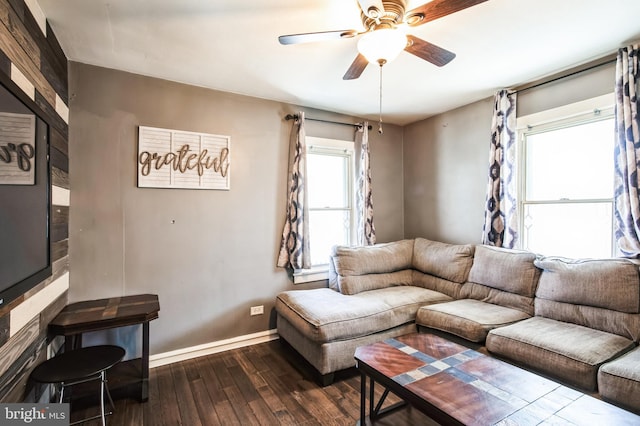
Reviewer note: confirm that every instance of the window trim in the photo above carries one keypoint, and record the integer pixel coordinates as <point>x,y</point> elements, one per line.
<point>326,146</point>
<point>578,113</point>
<point>599,103</point>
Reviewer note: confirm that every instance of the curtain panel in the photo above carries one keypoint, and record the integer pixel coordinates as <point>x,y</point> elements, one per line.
<point>627,154</point>
<point>501,222</point>
<point>294,248</point>
<point>366,231</point>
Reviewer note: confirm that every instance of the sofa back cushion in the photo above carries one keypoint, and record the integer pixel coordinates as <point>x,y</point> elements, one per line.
<point>357,269</point>
<point>504,277</point>
<point>610,284</point>
<point>441,267</point>
<point>354,284</point>
<point>447,261</point>
<point>599,294</point>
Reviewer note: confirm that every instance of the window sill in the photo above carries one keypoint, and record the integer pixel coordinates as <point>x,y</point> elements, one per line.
<point>316,273</point>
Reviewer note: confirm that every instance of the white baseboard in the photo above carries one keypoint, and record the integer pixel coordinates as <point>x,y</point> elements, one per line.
<point>170,357</point>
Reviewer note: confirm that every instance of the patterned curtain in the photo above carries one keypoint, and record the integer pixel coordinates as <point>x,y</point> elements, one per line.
<point>366,231</point>
<point>627,153</point>
<point>501,221</point>
<point>294,248</point>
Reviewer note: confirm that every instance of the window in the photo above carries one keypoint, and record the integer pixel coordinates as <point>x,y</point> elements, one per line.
<point>330,182</point>
<point>566,192</point>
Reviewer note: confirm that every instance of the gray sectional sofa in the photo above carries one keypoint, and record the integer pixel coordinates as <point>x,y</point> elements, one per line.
<point>576,321</point>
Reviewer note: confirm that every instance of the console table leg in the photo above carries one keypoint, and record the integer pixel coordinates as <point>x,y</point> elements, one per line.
<point>73,341</point>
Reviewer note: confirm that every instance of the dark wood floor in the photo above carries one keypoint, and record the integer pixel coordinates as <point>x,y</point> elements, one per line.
<point>264,384</point>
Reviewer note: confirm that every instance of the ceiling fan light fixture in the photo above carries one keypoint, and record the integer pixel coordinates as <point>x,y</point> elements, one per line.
<point>382,45</point>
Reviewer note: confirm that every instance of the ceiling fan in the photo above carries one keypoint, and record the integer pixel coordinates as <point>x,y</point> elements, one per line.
<point>385,23</point>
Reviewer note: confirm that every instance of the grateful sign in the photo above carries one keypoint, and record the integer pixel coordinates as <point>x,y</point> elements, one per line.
<point>179,159</point>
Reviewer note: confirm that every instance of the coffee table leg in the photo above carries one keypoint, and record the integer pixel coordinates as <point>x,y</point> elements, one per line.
<point>363,398</point>
<point>372,413</point>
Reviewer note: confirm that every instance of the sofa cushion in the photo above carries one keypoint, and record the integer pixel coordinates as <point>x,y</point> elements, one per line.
<point>377,259</point>
<point>497,297</point>
<point>366,268</point>
<point>619,380</point>
<point>405,301</point>
<point>354,284</point>
<point>324,315</point>
<point>447,261</point>
<point>621,323</point>
<point>503,277</point>
<point>467,318</point>
<point>611,284</point>
<point>432,282</point>
<point>504,269</point>
<point>570,352</point>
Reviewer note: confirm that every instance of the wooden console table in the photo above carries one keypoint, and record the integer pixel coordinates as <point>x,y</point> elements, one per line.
<point>103,314</point>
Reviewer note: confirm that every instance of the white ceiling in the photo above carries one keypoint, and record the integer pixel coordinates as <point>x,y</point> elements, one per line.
<point>232,45</point>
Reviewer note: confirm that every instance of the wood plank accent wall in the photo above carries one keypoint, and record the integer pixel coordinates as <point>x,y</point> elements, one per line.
<point>34,67</point>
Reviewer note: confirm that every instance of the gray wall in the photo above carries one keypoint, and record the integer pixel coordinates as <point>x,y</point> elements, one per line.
<point>445,166</point>
<point>446,158</point>
<point>579,87</point>
<point>218,258</point>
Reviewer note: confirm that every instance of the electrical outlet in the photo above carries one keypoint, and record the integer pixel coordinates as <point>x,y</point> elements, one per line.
<point>257,310</point>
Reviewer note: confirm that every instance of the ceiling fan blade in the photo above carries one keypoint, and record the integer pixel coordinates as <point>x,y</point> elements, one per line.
<point>437,9</point>
<point>321,36</point>
<point>429,52</point>
<point>356,68</point>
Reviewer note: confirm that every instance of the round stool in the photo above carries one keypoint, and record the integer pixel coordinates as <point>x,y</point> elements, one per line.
<point>80,366</point>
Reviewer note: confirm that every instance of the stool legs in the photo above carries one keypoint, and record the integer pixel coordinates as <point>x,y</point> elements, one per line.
<point>102,380</point>
<point>104,388</point>
<point>61,392</point>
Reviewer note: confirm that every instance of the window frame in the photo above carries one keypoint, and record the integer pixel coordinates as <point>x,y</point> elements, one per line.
<point>338,148</point>
<point>580,113</point>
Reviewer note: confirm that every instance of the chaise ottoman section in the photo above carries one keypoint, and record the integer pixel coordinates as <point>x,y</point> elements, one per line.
<point>329,357</point>
<point>568,351</point>
<point>324,315</point>
<point>326,326</point>
<point>468,318</point>
<point>619,380</point>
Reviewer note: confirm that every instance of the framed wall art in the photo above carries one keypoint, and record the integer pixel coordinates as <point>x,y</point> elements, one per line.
<point>17,148</point>
<point>180,159</point>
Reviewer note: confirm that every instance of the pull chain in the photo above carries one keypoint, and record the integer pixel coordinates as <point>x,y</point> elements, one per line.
<point>381,62</point>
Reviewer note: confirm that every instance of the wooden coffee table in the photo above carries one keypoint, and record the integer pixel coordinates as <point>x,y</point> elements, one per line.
<point>453,384</point>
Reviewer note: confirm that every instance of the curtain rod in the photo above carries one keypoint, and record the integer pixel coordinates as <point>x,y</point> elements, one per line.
<point>295,117</point>
<point>606,60</point>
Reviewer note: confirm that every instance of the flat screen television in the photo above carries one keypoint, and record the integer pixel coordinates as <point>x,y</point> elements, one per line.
<point>25,198</point>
